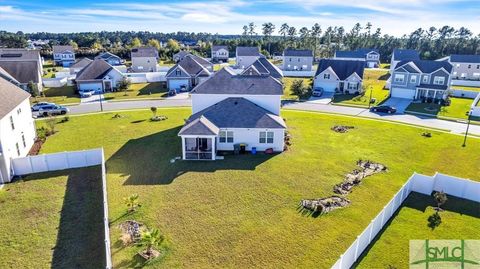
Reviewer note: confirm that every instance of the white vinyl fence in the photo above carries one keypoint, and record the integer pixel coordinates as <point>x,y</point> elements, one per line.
<point>54,82</point>
<point>67,160</point>
<point>299,74</point>
<point>475,108</point>
<point>459,187</point>
<point>464,93</point>
<point>470,83</point>
<point>146,77</point>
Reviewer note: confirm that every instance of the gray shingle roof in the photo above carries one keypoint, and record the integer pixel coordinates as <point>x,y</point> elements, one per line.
<point>22,71</point>
<point>427,66</point>
<point>62,48</point>
<point>199,126</point>
<point>94,70</point>
<point>81,63</point>
<point>19,54</point>
<point>10,97</point>
<point>238,112</point>
<point>106,55</point>
<point>218,47</point>
<point>226,81</point>
<point>265,67</point>
<point>182,53</point>
<point>359,53</point>
<point>405,54</point>
<point>463,58</point>
<point>297,53</point>
<point>248,51</point>
<point>191,66</point>
<point>343,68</point>
<point>144,52</point>
<point>7,76</point>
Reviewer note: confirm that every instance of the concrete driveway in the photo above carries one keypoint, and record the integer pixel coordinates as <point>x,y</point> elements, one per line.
<point>399,103</point>
<point>325,99</point>
<point>92,99</point>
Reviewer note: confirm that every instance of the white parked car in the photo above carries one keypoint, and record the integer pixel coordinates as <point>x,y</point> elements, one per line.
<point>317,92</point>
<point>84,94</point>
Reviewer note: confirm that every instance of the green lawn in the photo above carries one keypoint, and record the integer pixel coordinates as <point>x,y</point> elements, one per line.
<point>61,95</point>
<point>475,89</point>
<point>53,220</point>
<point>373,80</point>
<point>457,109</point>
<point>242,212</point>
<point>48,65</point>
<point>287,84</point>
<point>460,220</point>
<point>154,90</point>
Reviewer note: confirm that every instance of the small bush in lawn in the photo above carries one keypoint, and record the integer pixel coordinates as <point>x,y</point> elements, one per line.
<point>427,134</point>
<point>51,123</point>
<point>42,133</point>
<point>65,119</point>
<point>298,88</point>
<point>434,220</point>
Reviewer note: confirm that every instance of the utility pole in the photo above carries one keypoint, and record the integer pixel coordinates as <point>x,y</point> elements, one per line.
<point>100,99</point>
<point>466,132</point>
<point>370,99</point>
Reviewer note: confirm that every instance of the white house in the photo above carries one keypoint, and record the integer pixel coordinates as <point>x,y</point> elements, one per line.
<point>297,60</point>
<point>339,76</point>
<point>17,129</point>
<point>246,56</point>
<point>231,111</point>
<point>98,76</point>
<point>64,55</point>
<point>25,65</point>
<point>219,54</point>
<point>144,59</point>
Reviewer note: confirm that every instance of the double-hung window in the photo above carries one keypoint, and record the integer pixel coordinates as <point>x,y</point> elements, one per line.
<point>226,137</point>
<point>12,123</point>
<point>425,79</point>
<point>266,138</point>
<point>399,78</point>
<point>413,79</point>
<point>326,76</point>
<point>438,80</point>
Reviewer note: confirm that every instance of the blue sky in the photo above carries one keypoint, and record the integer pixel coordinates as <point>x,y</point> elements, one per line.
<point>396,17</point>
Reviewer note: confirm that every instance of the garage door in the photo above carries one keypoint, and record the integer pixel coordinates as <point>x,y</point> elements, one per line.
<point>177,83</point>
<point>403,93</point>
<point>327,86</point>
<point>371,64</point>
<point>91,87</point>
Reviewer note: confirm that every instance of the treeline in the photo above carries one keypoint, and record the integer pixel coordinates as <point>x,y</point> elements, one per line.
<point>432,43</point>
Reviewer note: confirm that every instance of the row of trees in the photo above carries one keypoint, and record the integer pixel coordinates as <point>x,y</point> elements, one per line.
<point>432,43</point>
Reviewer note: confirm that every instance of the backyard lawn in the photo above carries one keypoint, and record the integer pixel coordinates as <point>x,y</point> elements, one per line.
<point>61,95</point>
<point>374,80</point>
<point>460,220</point>
<point>53,220</point>
<point>49,69</point>
<point>154,90</point>
<point>242,212</point>
<point>475,89</point>
<point>457,109</point>
<point>287,91</point>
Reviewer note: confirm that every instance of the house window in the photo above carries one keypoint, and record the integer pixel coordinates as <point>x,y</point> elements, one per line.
<point>266,138</point>
<point>478,66</point>
<point>425,79</point>
<point>469,66</point>
<point>438,80</point>
<point>352,86</point>
<point>11,123</point>
<point>413,79</point>
<point>326,76</point>
<point>18,149</point>
<point>178,72</point>
<point>399,78</point>
<point>19,110</point>
<point>226,137</point>
<point>289,59</point>
<point>23,141</point>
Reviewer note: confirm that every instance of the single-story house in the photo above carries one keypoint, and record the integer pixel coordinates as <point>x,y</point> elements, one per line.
<point>110,58</point>
<point>339,76</point>
<point>188,73</point>
<point>98,76</point>
<point>79,65</point>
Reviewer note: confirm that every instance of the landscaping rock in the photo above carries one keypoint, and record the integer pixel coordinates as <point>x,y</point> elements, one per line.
<point>325,205</point>
<point>341,128</point>
<point>356,176</point>
<point>131,230</point>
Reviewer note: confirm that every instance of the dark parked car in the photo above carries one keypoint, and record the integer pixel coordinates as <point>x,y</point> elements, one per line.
<point>384,109</point>
<point>172,92</point>
<point>52,110</point>
<point>38,106</point>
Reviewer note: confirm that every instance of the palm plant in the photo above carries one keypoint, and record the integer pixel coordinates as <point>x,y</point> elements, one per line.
<point>132,202</point>
<point>440,198</point>
<point>154,111</point>
<point>151,238</point>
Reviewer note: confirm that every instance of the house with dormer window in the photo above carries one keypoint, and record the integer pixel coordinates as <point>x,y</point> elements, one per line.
<point>63,55</point>
<point>370,56</point>
<point>188,73</point>
<point>421,80</point>
<point>339,76</point>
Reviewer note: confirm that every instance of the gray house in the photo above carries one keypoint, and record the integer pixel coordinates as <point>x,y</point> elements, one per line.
<point>220,54</point>
<point>98,76</point>
<point>110,58</point>
<point>24,65</point>
<point>188,73</point>
<point>144,59</point>
<point>263,67</point>
<point>64,55</point>
<point>399,55</point>
<point>421,80</point>
<point>370,56</point>
<point>465,67</point>
<point>79,65</point>
<point>245,56</point>
<point>297,60</point>
<point>339,76</point>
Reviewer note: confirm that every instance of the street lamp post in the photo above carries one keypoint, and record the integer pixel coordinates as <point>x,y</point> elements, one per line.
<point>101,105</point>
<point>466,132</point>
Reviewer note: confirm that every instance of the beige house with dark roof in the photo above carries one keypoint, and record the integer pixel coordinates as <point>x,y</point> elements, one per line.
<point>24,65</point>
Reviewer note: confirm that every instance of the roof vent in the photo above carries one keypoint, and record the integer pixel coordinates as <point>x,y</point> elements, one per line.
<point>235,103</point>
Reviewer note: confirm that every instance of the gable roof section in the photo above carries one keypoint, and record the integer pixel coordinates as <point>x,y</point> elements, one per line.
<point>405,54</point>
<point>19,54</point>
<point>191,67</point>
<point>297,53</point>
<point>81,63</point>
<point>426,66</point>
<point>106,55</point>
<point>238,112</point>
<point>247,51</point>
<point>62,49</point>
<point>359,53</point>
<point>251,71</point>
<point>342,68</point>
<point>199,126</point>
<point>97,69</point>
<point>219,47</point>
<point>265,67</point>
<point>7,76</point>
<point>204,62</point>
<point>464,58</point>
<point>144,52</point>
<point>182,53</point>
<point>226,81</point>
<point>22,71</point>
<point>10,96</point>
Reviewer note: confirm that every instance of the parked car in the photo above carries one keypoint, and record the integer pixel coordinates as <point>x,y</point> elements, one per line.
<point>84,94</point>
<point>317,92</point>
<point>172,92</point>
<point>53,110</point>
<point>38,106</point>
<point>384,109</point>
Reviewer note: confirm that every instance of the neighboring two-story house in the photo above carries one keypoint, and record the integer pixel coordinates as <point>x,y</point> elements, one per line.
<point>188,73</point>
<point>465,67</point>
<point>17,127</point>
<point>233,111</point>
<point>110,58</point>
<point>98,76</point>
<point>144,59</point>
<point>63,55</point>
<point>262,66</point>
<point>421,80</point>
<point>370,56</point>
<point>24,65</point>
<point>297,60</point>
<point>220,54</point>
<point>339,76</point>
<point>399,55</point>
<point>245,56</point>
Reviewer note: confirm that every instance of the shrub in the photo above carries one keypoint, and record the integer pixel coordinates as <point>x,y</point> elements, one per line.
<point>434,220</point>
<point>51,123</point>
<point>298,88</point>
<point>132,202</point>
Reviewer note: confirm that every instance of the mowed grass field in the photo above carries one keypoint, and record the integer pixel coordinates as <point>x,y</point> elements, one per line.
<point>458,108</point>
<point>60,95</point>
<point>53,220</point>
<point>242,212</point>
<point>460,220</point>
<point>154,90</point>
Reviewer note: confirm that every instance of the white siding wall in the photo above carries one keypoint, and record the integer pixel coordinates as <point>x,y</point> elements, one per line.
<point>23,122</point>
<point>269,102</point>
<point>245,61</point>
<point>328,85</point>
<point>251,138</point>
